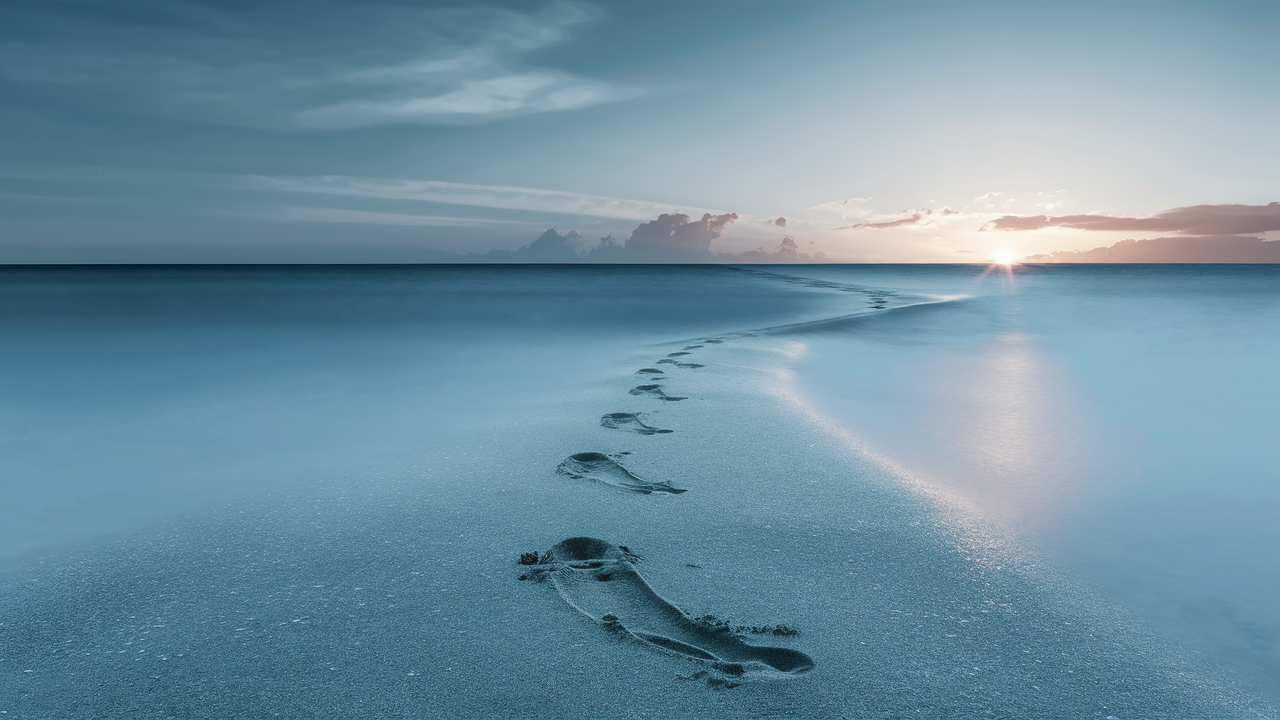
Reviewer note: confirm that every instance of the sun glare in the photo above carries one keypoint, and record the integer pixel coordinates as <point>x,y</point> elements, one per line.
<point>1004,257</point>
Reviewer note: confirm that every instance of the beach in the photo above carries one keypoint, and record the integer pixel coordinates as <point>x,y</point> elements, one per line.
<point>306,492</point>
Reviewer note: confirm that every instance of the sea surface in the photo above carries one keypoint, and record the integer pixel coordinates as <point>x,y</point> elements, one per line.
<point>1038,491</point>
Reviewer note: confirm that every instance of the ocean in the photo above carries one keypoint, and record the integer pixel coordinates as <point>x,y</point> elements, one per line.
<point>818,491</point>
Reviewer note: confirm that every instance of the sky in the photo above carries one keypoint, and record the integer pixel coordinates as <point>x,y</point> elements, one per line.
<point>422,132</point>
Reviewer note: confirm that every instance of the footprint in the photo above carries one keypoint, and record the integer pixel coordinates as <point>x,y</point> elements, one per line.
<point>666,361</point>
<point>629,421</point>
<point>654,391</point>
<point>689,365</point>
<point>676,354</point>
<point>602,468</point>
<point>691,347</point>
<point>713,342</point>
<point>648,371</point>
<point>600,580</point>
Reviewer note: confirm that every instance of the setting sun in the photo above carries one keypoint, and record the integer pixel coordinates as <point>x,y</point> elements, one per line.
<point>1004,257</point>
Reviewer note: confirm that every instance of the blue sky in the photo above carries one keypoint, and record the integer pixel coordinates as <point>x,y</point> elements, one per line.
<point>317,132</point>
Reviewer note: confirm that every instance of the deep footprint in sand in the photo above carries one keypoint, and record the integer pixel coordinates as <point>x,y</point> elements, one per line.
<point>600,581</point>
<point>648,371</point>
<point>602,468</point>
<point>630,422</point>
<point>654,391</point>
<point>676,354</point>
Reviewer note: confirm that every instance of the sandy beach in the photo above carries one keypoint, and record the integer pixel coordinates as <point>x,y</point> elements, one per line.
<point>726,507</point>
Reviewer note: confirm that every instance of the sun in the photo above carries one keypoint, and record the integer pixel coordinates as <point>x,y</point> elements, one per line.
<point>1004,257</point>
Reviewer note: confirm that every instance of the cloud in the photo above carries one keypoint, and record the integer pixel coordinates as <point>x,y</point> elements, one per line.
<point>847,207</point>
<point>1193,220</point>
<point>1193,249</point>
<point>490,97</point>
<point>909,220</point>
<point>673,237</point>
<point>550,247</point>
<point>491,196</point>
<point>322,66</point>
<point>786,252</point>
<point>1050,200</point>
<point>840,206</point>
<point>669,239</point>
<point>994,199</point>
<point>923,218</point>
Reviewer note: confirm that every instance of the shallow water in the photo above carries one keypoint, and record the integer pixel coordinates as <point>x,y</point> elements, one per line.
<point>303,491</point>
<point>1123,417</point>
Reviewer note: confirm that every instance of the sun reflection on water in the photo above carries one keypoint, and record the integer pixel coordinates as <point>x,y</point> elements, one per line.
<point>1009,434</point>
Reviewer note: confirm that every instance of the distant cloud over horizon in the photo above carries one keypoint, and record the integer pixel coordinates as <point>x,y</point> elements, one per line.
<point>675,235</point>
<point>1192,220</point>
<point>671,238</point>
<point>1206,234</point>
<point>1187,249</point>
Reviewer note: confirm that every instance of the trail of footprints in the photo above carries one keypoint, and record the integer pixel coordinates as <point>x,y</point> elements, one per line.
<point>600,579</point>
<point>876,299</point>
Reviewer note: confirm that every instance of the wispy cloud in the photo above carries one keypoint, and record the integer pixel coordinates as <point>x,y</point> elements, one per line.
<point>847,208</point>
<point>1192,220</point>
<point>919,218</point>
<point>993,198</point>
<point>840,205</point>
<point>490,196</point>
<point>501,96</point>
<point>1051,199</point>
<point>314,66</point>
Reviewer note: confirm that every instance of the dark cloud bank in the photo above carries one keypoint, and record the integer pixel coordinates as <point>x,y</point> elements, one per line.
<point>669,239</point>
<point>1208,234</point>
